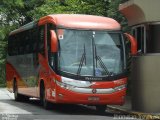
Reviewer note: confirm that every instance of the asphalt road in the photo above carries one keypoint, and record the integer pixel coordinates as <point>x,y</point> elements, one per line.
<point>31,110</point>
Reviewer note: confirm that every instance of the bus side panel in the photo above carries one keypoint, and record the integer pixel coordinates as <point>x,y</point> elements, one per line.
<point>11,73</point>
<point>24,70</point>
<point>9,76</point>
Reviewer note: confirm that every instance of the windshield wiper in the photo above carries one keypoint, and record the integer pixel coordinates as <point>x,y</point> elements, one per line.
<point>98,58</point>
<point>83,59</point>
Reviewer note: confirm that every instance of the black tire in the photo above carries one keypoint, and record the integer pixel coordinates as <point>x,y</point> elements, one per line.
<point>101,108</point>
<point>17,96</point>
<point>44,102</point>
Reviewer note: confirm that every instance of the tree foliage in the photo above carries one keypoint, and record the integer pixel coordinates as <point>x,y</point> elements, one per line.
<point>23,11</point>
<point>15,13</point>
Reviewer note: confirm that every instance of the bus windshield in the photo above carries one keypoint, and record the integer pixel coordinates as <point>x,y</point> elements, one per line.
<point>90,53</point>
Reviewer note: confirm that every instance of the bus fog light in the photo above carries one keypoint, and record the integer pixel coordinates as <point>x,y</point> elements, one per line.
<point>60,95</point>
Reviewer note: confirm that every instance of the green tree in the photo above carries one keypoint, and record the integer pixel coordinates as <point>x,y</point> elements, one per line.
<point>23,11</point>
<point>114,13</point>
<point>2,55</point>
<point>107,8</point>
<point>18,11</point>
<point>93,7</point>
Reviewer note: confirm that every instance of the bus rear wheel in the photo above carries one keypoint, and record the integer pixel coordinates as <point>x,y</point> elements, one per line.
<point>17,96</point>
<point>44,102</point>
<point>101,108</point>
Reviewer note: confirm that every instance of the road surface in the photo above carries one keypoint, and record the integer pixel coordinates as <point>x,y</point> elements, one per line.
<point>31,110</point>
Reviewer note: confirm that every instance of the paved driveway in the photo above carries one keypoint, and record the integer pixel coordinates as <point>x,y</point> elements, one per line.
<point>12,110</point>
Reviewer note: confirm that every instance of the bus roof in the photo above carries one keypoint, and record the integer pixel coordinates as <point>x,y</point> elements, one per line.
<point>76,21</point>
<point>23,28</point>
<point>80,21</point>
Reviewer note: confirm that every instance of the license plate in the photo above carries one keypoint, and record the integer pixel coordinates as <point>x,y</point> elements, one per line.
<point>93,98</point>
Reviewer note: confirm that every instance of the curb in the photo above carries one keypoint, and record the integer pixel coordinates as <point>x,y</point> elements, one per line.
<point>138,115</point>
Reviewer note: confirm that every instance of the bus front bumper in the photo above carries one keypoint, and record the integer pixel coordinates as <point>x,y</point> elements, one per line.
<point>93,97</point>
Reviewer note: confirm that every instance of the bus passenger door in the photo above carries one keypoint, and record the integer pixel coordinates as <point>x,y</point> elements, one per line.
<point>51,60</point>
<point>46,60</point>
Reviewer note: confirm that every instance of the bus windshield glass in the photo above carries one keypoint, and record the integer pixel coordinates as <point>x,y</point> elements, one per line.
<point>90,53</point>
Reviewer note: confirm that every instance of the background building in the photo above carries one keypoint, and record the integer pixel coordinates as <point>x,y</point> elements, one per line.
<point>144,18</point>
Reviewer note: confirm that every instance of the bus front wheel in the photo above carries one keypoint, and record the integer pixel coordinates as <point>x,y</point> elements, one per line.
<point>44,102</point>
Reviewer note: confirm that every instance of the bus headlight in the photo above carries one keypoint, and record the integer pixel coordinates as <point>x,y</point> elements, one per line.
<point>73,85</point>
<point>76,83</point>
<point>121,87</point>
<point>64,85</point>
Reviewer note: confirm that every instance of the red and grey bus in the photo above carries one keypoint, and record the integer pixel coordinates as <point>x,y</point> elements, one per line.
<point>65,58</point>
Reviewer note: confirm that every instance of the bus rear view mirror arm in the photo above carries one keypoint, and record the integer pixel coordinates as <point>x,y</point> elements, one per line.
<point>133,43</point>
<point>54,42</point>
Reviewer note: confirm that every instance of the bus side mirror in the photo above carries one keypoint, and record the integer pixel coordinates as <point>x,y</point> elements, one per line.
<point>54,41</point>
<point>133,43</point>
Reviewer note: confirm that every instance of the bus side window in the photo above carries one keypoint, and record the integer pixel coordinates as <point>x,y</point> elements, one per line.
<point>35,40</point>
<point>22,43</point>
<point>41,40</point>
<point>10,45</point>
<point>14,46</point>
<point>18,43</point>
